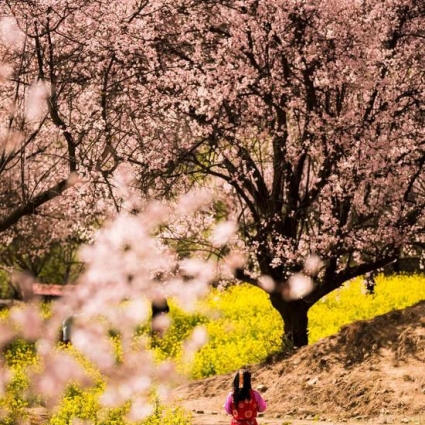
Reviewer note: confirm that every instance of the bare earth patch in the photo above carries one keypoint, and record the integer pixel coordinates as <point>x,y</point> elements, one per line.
<point>371,371</point>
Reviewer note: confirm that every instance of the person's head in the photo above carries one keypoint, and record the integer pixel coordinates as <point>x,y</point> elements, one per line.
<point>242,385</point>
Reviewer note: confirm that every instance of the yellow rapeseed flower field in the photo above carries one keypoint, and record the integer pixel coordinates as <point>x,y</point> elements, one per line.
<point>243,328</point>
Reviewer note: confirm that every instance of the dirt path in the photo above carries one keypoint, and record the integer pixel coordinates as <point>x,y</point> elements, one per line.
<point>207,418</point>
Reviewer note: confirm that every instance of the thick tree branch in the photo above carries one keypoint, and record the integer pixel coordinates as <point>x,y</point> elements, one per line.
<point>31,206</point>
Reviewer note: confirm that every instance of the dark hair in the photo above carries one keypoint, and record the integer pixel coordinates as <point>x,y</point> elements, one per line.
<point>242,386</point>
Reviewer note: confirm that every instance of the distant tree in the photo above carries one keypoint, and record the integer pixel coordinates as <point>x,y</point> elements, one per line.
<point>54,262</point>
<point>63,113</point>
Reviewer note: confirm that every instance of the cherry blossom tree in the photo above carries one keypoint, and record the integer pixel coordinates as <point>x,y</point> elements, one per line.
<point>311,114</point>
<point>77,87</point>
<point>61,111</point>
<point>306,117</point>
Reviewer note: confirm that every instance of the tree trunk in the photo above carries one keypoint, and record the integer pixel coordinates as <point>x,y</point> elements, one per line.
<point>295,319</point>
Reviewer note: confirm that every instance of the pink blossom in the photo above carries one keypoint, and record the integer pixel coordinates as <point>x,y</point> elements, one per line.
<point>5,72</point>
<point>299,285</point>
<point>222,232</point>
<point>29,321</point>
<point>10,32</point>
<point>267,283</point>
<point>312,265</point>
<point>36,106</point>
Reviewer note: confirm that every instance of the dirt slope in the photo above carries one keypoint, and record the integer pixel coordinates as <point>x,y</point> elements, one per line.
<point>372,370</point>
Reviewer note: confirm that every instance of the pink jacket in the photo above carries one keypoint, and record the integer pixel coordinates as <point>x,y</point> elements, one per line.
<point>260,402</point>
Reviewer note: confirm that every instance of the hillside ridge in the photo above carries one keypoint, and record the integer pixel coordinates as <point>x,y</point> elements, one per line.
<point>371,369</point>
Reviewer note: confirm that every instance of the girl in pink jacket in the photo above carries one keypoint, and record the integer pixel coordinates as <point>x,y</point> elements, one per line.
<point>243,403</point>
